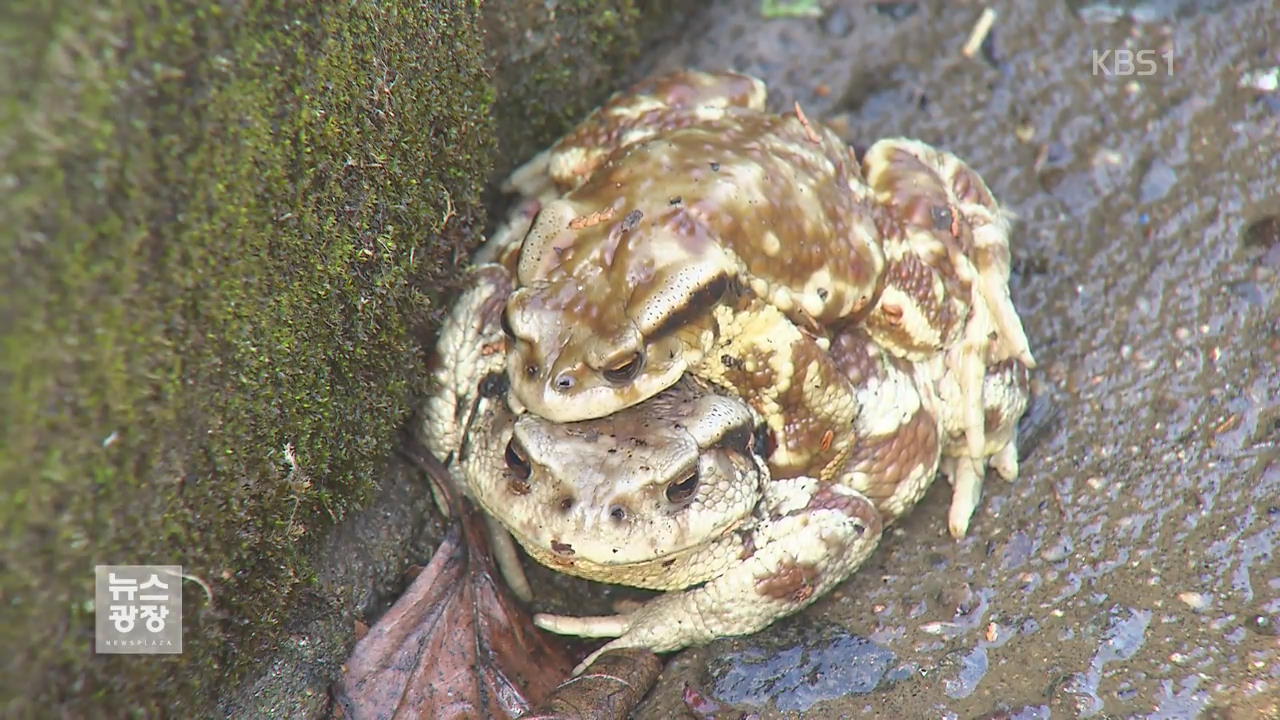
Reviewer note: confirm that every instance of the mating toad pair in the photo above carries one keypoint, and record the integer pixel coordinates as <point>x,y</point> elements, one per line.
<point>718,352</point>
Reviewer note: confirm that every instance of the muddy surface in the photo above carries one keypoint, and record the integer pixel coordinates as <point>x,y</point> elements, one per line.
<point>1131,570</point>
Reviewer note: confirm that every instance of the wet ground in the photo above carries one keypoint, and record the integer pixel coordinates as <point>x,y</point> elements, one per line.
<point>1131,570</point>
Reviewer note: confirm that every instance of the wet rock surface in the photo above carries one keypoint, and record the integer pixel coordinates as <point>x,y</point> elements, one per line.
<point>798,665</point>
<point>1130,571</point>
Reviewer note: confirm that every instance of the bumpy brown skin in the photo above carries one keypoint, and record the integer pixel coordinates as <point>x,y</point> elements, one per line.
<point>611,499</point>
<point>652,106</point>
<point>946,300</point>
<point>662,230</point>
<point>596,498</point>
<point>656,496</point>
<point>739,246</point>
<point>689,210</point>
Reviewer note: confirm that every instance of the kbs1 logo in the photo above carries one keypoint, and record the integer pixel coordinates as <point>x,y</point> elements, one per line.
<point>1122,62</point>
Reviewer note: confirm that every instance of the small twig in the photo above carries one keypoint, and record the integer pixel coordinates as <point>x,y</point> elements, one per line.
<point>203,585</point>
<point>808,129</point>
<point>296,480</point>
<point>1042,156</point>
<point>979,33</point>
<point>1227,425</point>
<point>1057,499</point>
<point>449,212</point>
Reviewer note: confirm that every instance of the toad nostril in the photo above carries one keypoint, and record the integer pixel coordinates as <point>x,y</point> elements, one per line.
<point>566,503</point>
<point>516,460</point>
<point>531,371</point>
<point>618,513</point>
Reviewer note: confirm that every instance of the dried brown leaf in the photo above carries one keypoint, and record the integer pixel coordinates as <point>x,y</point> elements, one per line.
<point>609,689</point>
<point>456,645</point>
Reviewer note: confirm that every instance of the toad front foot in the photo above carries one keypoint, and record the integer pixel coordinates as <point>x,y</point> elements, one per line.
<point>813,537</point>
<point>1006,391</point>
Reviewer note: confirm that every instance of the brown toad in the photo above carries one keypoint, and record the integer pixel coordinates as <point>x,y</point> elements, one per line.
<point>671,494</point>
<point>689,212</point>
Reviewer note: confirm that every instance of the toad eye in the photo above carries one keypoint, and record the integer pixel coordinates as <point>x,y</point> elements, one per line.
<point>763,441</point>
<point>681,492</point>
<point>941,216</point>
<point>626,371</point>
<point>516,460</point>
<point>494,385</point>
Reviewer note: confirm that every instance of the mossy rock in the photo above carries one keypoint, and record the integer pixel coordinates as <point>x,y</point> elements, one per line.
<point>226,229</point>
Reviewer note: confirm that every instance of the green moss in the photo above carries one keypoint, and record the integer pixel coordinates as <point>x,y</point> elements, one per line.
<point>568,62</point>
<point>215,219</point>
<point>223,228</point>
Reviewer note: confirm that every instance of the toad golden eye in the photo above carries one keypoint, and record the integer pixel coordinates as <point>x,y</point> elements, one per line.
<point>517,461</point>
<point>626,371</point>
<point>680,492</point>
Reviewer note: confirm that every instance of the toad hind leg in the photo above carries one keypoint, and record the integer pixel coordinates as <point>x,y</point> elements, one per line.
<point>1006,391</point>
<point>789,561</point>
<point>966,491</point>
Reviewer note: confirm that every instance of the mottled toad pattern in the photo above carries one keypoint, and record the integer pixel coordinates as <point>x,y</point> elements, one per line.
<point>671,494</point>
<point>683,228</point>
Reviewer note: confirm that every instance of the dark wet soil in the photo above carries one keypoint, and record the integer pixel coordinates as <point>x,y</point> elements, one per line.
<point>1131,570</point>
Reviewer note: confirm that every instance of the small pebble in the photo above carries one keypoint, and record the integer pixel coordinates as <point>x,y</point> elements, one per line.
<point>896,10</point>
<point>1194,600</point>
<point>1263,232</point>
<point>1059,550</point>
<point>1157,183</point>
<point>1262,625</point>
<point>1266,80</point>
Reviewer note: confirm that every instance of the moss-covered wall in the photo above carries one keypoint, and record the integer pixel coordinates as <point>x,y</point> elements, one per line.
<point>215,221</point>
<point>555,61</point>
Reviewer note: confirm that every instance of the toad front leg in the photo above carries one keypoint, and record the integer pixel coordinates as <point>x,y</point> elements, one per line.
<point>813,537</point>
<point>1006,392</point>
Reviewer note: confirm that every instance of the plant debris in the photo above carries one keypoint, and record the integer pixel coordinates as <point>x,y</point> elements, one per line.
<point>457,644</point>
<point>609,689</point>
